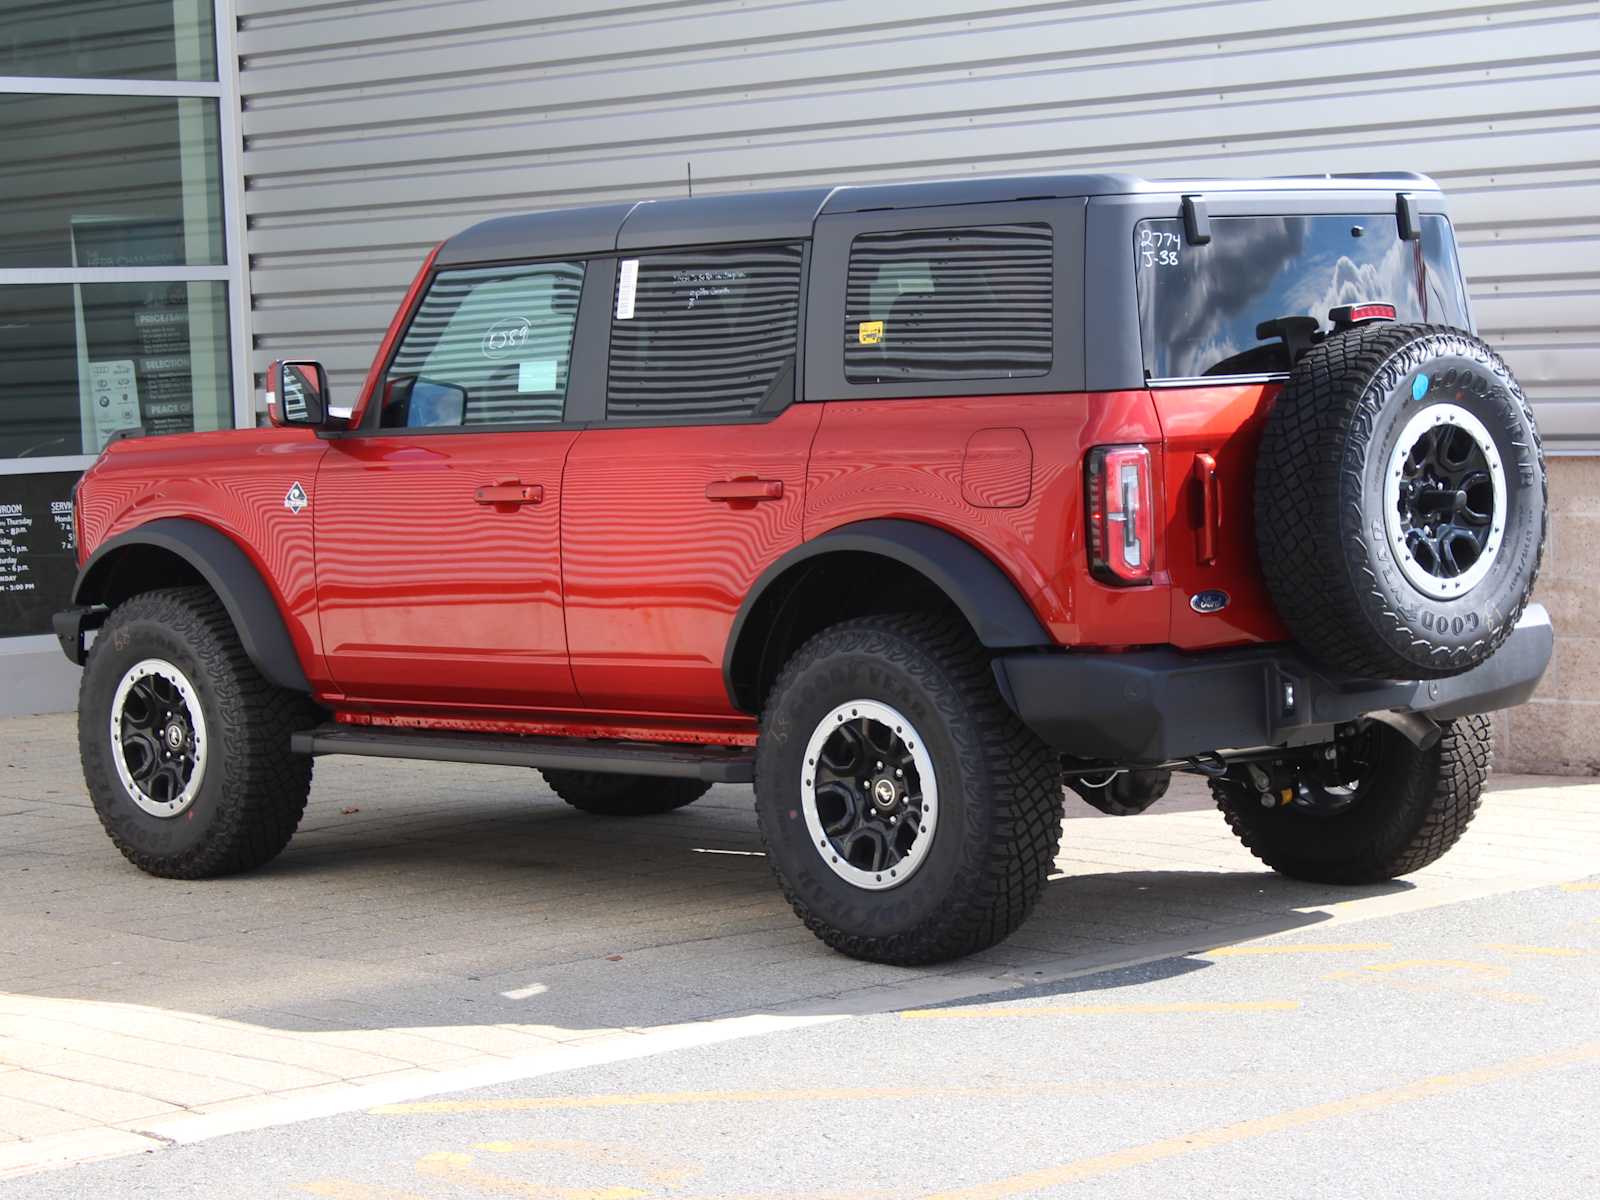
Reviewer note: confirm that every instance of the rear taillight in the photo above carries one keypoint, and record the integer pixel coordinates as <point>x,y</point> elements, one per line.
<point>1121,507</point>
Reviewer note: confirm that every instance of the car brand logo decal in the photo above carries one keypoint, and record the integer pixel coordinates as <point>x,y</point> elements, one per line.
<point>296,499</point>
<point>1209,601</point>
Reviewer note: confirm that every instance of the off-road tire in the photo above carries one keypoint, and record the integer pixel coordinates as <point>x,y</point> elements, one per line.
<point>253,790</point>
<point>1420,805</point>
<point>1320,505</point>
<point>999,792</point>
<point>608,795</point>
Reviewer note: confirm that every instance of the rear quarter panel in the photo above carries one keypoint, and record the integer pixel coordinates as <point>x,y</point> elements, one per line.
<point>903,458</point>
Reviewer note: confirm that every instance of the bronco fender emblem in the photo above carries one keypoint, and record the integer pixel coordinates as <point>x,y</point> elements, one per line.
<point>296,499</point>
<point>1210,601</point>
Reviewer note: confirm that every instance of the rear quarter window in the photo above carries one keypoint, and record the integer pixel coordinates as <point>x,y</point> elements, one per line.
<point>1199,305</point>
<point>960,303</point>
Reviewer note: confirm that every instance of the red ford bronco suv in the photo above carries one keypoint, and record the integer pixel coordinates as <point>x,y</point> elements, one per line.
<point>912,505</point>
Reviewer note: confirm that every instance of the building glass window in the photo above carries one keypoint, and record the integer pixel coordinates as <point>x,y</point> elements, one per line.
<point>85,361</point>
<point>110,181</point>
<point>109,39</point>
<point>934,304</point>
<point>703,334</point>
<point>120,292</point>
<point>488,346</point>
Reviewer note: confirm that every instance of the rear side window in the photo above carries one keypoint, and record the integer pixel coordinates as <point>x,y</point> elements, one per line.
<point>933,304</point>
<point>703,334</point>
<point>488,346</point>
<point>1199,305</point>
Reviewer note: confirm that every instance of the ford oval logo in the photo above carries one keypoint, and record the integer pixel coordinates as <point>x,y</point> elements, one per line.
<point>1209,601</point>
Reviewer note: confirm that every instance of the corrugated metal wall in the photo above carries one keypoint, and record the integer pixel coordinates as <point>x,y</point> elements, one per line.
<point>375,129</point>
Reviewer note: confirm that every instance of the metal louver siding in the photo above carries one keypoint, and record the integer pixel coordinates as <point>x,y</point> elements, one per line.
<point>373,131</point>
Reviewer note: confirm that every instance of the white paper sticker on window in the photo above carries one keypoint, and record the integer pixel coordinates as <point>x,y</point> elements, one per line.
<point>536,375</point>
<point>627,286</point>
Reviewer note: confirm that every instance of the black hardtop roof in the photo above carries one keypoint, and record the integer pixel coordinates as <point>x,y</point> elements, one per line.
<point>789,215</point>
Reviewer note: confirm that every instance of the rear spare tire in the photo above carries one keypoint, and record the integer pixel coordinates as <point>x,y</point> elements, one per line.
<point>1400,502</point>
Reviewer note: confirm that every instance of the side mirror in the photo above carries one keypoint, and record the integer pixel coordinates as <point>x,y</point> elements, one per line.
<point>297,394</point>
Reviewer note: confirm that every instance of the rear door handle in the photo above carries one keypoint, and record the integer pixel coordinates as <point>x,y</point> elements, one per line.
<point>745,489</point>
<point>509,491</point>
<point>1205,475</point>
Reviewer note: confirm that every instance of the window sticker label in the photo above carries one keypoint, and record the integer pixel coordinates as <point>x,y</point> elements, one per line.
<point>627,288</point>
<point>869,333</point>
<point>536,375</point>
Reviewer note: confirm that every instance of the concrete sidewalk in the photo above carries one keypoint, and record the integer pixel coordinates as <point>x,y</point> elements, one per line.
<point>432,927</point>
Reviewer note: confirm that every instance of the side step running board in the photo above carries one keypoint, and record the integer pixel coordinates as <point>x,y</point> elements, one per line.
<point>714,764</point>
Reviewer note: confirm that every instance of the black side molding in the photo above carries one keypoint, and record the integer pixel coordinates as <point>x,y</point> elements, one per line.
<point>988,599</point>
<point>70,626</point>
<point>229,573</point>
<point>714,764</point>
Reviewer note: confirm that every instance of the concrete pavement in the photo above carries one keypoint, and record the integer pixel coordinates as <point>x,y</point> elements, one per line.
<point>435,927</point>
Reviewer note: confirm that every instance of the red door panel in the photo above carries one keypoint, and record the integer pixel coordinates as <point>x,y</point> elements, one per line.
<point>439,568</point>
<point>1211,544</point>
<point>664,530</point>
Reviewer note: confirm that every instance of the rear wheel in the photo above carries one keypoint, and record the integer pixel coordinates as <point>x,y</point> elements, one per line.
<point>1394,810</point>
<point>185,746</point>
<point>610,795</point>
<point>907,813</point>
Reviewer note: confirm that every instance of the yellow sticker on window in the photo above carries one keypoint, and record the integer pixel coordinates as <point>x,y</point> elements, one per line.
<point>869,333</point>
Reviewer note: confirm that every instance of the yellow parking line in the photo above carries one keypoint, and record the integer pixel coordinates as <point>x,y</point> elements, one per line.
<point>346,1189</point>
<point>796,1095</point>
<point>1304,948</point>
<point>1540,951</point>
<point>1099,1010</point>
<point>1295,1118</point>
<point>1580,887</point>
<point>453,1167</point>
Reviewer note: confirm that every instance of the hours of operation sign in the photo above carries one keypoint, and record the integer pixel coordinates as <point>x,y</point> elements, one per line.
<point>37,554</point>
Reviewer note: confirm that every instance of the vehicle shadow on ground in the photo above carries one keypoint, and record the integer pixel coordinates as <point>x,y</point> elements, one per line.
<point>537,916</point>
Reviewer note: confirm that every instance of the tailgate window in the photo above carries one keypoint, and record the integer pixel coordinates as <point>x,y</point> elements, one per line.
<point>1199,305</point>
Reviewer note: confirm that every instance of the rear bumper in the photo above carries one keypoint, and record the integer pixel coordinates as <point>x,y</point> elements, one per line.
<point>1151,706</point>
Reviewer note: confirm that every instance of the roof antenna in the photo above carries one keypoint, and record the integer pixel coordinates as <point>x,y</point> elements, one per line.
<point>689,167</point>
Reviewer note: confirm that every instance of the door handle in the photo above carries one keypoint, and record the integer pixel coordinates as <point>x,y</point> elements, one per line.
<point>745,489</point>
<point>1205,475</point>
<point>509,491</point>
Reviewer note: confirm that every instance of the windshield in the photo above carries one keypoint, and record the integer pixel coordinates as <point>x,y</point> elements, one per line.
<point>1199,305</point>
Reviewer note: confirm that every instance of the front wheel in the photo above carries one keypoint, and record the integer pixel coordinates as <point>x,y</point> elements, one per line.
<point>1398,809</point>
<point>908,815</point>
<point>185,746</point>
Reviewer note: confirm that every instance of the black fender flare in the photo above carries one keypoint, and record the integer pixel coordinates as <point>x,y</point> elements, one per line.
<point>229,573</point>
<point>985,595</point>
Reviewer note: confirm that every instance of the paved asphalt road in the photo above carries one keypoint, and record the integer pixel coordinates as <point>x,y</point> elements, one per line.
<point>1452,1052</point>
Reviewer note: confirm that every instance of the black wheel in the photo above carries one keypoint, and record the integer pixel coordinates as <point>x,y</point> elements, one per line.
<point>907,813</point>
<point>1400,502</point>
<point>610,795</point>
<point>185,746</point>
<point>1397,809</point>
